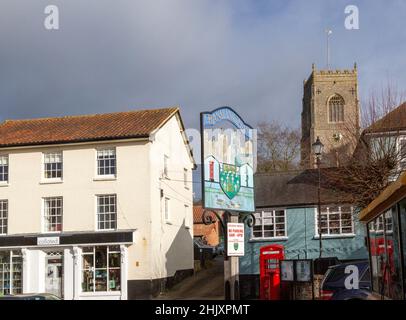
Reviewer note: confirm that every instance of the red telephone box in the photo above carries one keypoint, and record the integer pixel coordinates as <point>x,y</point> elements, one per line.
<point>270,272</point>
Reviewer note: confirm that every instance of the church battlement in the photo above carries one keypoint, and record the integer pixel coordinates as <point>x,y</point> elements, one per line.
<point>329,72</point>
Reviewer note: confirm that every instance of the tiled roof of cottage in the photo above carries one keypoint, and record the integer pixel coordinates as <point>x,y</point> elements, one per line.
<point>109,126</point>
<point>393,121</point>
<point>294,189</point>
<point>198,214</point>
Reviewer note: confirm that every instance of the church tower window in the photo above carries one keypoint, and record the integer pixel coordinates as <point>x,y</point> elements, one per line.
<point>336,109</point>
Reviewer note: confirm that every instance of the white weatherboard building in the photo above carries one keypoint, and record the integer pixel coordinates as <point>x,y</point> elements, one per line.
<point>95,207</point>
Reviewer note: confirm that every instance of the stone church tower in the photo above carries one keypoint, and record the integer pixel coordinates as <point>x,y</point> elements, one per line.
<point>331,112</point>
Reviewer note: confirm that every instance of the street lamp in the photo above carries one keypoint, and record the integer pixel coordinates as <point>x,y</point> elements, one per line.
<point>318,151</point>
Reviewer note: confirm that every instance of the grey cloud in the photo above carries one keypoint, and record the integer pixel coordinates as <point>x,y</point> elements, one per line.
<point>252,55</point>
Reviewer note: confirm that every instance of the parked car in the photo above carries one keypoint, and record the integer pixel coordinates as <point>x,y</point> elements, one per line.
<point>31,296</point>
<point>333,287</point>
<point>220,249</point>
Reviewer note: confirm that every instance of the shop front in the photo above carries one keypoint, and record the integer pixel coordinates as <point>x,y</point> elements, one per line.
<point>72,266</point>
<point>385,219</point>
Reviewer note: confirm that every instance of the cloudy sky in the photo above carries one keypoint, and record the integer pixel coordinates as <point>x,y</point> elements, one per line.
<point>116,55</point>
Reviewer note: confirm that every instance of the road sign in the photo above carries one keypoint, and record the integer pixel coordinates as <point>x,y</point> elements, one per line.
<point>235,239</point>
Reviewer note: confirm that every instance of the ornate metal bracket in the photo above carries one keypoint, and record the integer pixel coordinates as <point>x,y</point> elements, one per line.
<point>207,219</point>
<point>249,219</point>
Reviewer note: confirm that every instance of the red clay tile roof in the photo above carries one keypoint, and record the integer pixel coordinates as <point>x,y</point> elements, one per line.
<point>393,121</point>
<point>120,125</point>
<point>198,213</point>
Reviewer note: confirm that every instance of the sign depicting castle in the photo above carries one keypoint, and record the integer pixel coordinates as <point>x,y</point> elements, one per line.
<point>228,161</point>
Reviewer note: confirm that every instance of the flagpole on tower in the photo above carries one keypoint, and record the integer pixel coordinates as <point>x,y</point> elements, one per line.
<point>328,33</point>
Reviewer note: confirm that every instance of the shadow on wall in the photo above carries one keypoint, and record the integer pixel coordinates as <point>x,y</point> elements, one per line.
<point>179,257</point>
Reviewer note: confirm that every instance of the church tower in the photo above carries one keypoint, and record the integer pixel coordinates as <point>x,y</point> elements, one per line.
<point>331,112</point>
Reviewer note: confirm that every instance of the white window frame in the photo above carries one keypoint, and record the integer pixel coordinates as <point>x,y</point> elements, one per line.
<point>167,208</point>
<point>44,156</point>
<point>399,143</point>
<point>187,220</point>
<point>380,219</point>
<point>273,238</point>
<point>4,217</point>
<point>105,176</point>
<point>98,214</point>
<point>45,224</point>
<point>185,178</point>
<point>166,166</point>
<point>333,235</point>
<point>6,164</point>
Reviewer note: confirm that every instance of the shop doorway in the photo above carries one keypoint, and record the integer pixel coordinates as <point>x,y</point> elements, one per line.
<point>54,273</point>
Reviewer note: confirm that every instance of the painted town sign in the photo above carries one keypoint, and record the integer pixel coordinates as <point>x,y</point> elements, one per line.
<point>228,158</point>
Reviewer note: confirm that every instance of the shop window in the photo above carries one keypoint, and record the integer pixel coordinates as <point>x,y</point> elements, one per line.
<point>107,212</point>
<point>53,165</point>
<point>335,221</point>
<point>3,169</point>
<point>101,269</point>
<point>385,255</point>
<point>10,272</point>
<point>269,224</point>
<point>53,211</point>
<point>106,162</point>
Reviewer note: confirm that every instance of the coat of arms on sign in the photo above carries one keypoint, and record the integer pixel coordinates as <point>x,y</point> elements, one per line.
<point>230,179</point>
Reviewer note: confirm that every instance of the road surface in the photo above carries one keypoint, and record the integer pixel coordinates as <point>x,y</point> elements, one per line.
<point>206,284</point>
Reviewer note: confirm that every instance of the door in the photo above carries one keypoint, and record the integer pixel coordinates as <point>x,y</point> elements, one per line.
<point>54,273</point>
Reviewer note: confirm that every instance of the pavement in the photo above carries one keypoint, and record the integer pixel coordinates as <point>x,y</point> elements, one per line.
<point>207,284</point>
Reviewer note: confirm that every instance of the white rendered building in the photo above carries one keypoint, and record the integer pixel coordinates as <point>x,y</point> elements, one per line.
<point>95,207</point>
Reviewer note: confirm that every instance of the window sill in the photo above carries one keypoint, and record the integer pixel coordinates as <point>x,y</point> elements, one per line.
<point>268,239</point>
<point>100,293</point>
<point>58,181</point>
<point>4,184</point>
<point>335,236</point>
<point>106,178</point>
<point>169,223</point>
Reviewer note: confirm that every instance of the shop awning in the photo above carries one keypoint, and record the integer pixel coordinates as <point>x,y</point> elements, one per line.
<point>392,194</point>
